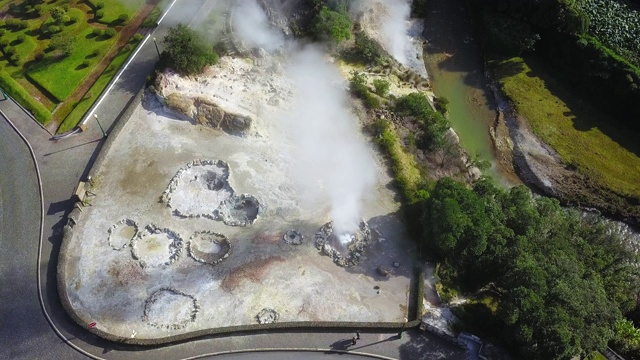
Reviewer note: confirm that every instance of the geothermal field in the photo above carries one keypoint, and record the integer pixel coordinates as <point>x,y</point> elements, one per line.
<point>258,200</point>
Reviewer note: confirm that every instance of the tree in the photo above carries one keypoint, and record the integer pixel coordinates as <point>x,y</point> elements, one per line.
<point>562,282</point>
<point>186,51</point>
<point>63,43</point>
<point>368,50</point>
<point>333,25</point>
<point>58,14</point>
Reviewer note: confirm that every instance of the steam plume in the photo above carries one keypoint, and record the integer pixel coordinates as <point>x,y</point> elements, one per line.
<point>252,26</point>
<point>331,160</point>
<point>392,25</point>
<point>330,155</point>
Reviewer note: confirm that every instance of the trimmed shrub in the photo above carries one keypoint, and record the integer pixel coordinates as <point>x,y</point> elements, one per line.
<point>21,38</point>
<point>127,47</point>
<point>10,50</point>
<point>85,63</point>
<point>15,58</point>
<point>97,31</point>
<point>110,32</point>
<point>95,53</point>
<point>22,96</point>
<point>99,14</point>
<point>3,31</point>
<point>136,37</point>
<point>99,5</point>
<point>4,43</point>
<point>123,17</point>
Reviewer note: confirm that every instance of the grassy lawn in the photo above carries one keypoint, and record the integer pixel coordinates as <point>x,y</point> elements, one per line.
<point>83,106</point>
<point>46,75</point>
<point>581,135</point>
<point>62,76</point>
<point>114,8</point>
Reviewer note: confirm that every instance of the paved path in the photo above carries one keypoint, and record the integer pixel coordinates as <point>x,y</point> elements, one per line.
<point>62,164</point>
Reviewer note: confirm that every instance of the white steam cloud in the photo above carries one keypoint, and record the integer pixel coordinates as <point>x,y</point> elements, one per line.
<point>388,24</point>
<point>331,159</point>
<point>330,156</point>
<point>252,26</point>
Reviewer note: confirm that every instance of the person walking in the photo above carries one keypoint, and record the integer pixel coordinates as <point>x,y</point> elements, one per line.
<point>353,341</point>
<point>357,334</point>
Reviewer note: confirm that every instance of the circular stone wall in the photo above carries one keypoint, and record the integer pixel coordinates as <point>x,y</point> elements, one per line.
<point>209,247</point>
<point>351,245</point>
<point>121,234</point>
<point>202,189</point>
<point>156,247</point>
<point>239,210</point>
<point>198,189</point>
<point>170,309</point>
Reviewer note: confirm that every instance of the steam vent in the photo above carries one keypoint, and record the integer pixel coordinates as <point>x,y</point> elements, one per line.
<point>344,249</point>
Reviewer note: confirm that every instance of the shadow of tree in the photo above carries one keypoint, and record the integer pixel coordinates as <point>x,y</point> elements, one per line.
<point>585,116</point>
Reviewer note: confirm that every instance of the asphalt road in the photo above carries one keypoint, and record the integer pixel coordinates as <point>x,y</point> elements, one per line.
<point>24,330</point>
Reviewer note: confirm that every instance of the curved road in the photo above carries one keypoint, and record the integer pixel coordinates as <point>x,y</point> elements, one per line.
<point>25,332</point>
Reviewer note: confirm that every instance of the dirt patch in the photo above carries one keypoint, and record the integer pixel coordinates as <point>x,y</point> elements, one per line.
<point>254,271</point>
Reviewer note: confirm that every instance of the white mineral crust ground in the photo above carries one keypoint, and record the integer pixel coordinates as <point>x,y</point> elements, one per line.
<point>262,271</point>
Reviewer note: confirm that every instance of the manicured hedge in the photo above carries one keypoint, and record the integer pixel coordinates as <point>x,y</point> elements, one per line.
<point>16,91</point>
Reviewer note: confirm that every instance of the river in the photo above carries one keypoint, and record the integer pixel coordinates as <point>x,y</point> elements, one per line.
<point>456,70</point>
<point>455,66</point>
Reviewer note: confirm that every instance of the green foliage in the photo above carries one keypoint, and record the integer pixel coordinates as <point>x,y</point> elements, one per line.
<point>562,280</point>
<point>63,43</point>
<point>616,24</point>
<point>99,14</point>
<point>186,51</point>
<point>110,32</point>
<point>57,14</point>
<point>123,18</point>
<point>627,339</point>
<point>407,174</point>
<point>368,50</point>
<point>97,32</point>
<point>435,126</point>
<point>22,96</point>
<point>333,25</point>
<point>358,86</point>
<point>381,86</point>
<point>441,104</point>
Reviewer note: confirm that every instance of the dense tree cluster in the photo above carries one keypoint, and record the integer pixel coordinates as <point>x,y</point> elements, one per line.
<point>186,52</point>
<point>562,282</point>
<point>434,124</point>
<point>333,25</point>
